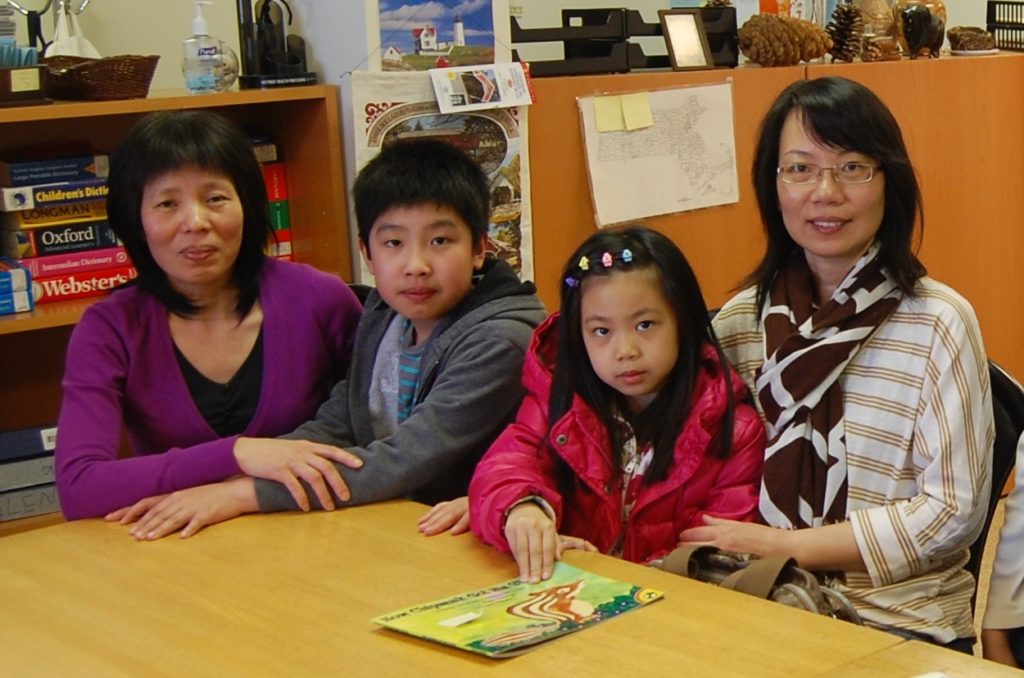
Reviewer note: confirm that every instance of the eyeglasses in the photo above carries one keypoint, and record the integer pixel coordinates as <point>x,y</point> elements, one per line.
<point>843,173</point>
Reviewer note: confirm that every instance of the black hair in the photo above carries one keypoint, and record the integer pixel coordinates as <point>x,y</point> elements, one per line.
<point>414,172</point>
<point>660,422</point>
<point>846,115</point>
<point>166,141</point>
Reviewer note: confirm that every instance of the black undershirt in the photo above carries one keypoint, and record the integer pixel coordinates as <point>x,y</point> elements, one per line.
<point>227,408</point>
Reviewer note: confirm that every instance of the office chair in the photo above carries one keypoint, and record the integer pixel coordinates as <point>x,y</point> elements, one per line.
<point>1008,413</point>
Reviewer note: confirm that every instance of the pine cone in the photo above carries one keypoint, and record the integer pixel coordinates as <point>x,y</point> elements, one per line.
<point>970,38</point>
<point>846,30</point>
<point>771,40</point>
<point>718,3</point>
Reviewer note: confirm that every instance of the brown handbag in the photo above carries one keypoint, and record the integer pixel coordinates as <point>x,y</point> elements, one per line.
<point>778,579</point>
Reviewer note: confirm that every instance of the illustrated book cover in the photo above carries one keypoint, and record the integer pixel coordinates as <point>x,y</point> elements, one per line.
<point>509,618</point>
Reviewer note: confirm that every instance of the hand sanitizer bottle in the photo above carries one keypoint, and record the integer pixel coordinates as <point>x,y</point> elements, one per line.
<point>209,65</point>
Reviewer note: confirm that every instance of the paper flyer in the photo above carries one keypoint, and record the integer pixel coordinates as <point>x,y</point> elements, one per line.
<point>512,617</point>
<point>477,88</point>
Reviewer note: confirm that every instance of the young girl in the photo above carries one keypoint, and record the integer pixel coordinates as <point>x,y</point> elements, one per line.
<point>632,428</point>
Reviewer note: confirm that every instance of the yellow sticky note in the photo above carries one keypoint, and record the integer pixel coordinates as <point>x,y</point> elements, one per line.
<point>608,114</point>
<point>636,111</point>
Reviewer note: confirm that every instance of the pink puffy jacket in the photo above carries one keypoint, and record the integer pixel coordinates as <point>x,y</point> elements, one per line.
<point>520,463</point>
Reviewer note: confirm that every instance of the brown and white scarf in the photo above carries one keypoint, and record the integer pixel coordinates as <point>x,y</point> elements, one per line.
<point>807,349</point>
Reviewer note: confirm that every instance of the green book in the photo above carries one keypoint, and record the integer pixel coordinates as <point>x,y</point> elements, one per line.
<point>509,618</point>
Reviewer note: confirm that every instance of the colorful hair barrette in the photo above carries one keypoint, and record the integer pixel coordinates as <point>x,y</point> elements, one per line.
<point>571,281</point>
<point>606,260</point>
<point>627,256</point>
<point>584,263</point>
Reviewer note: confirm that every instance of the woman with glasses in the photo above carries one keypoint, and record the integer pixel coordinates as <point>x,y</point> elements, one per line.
<point>870,376</point>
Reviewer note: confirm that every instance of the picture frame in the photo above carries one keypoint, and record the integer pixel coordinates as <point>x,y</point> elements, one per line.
<point>685,38</point>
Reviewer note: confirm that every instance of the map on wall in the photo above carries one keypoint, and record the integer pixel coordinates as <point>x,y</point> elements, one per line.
<point>390,107</point>
<point>685,159</point>
<point>416,35</point>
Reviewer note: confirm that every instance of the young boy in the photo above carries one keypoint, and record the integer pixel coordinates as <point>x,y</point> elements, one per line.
<point>439,349</point>
<point>435,372</point>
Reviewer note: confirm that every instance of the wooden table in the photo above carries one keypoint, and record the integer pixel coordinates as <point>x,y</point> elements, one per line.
<point>294,594</point>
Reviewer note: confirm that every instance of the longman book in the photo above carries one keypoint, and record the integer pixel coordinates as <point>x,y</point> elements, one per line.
<point>15,475</point>
<point>49,170</point>
<point>49,240</point>
<point>28,502</point>
<point>54,215</point>
<point>76,262</point>
<point>31,197</point>
<point>81,285</point>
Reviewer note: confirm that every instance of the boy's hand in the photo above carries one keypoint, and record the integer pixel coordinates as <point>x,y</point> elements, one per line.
<point>533,541</point>
<point>189,510</point>
<point>452,514</point>
<point>289,461</point>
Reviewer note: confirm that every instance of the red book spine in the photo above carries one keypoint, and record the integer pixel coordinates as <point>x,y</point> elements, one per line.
<point>80,285</point>
<point>274,178</point>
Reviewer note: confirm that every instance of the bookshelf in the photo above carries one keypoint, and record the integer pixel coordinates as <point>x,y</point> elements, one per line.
<point>305,124</point>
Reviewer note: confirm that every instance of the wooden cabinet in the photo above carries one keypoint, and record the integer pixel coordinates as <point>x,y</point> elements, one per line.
<point>302,121</point>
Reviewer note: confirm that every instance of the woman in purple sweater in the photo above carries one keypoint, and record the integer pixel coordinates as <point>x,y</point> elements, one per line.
<point>211,342</point>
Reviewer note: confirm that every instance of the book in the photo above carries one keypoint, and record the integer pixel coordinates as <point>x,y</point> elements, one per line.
<point>55,214</point>
<point>512,617</point>
<point>281,245</point>
<point>28,501</point>
<point>61,239</point>
<point>22,443</point>
<point>16,302</point>
<point>50,170</point>
<point>42,195</point>
<point>13,276</point>
<point>88,260</point>
<point>264,148</point>
<point>280,219</point>
<point>276,181</point>
<point>26,472</point>
<point>79,285</point>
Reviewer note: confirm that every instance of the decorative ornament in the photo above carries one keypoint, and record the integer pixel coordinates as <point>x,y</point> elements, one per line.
<point>718,3</point>
<point>877,17</point>
<point>627,255</point>
<point>584,263</point>
<point>571,281</point>
<point>606,260</point>
<point>771,40</point>
<point>920,26</point>
<point>970,39</point>
<point>847,32</point>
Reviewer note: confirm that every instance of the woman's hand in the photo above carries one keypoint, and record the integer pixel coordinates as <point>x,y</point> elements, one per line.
<point>995,645</point>
<point>448,515</point>
<point>733,535</point>
<point>188,510</point>
<point>533,541</point>
<point>291,461</point>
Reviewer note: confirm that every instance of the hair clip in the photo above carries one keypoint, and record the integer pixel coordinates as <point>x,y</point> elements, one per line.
<point>584,263</point>
<point>627,256</point>
<point>571,281</point>
<point>606,260</point>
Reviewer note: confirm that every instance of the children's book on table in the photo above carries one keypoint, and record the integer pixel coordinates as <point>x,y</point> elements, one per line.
<point>509,618</point>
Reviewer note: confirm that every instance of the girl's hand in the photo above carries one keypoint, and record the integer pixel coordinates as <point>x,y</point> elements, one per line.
<point>533,541</point>
<point>577,543</point>
<point>188,510</point>
<point>733,535</point>
<point>289,461</point>
<point>448,515</point>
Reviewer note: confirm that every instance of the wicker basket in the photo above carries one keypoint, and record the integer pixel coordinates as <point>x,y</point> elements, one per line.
<point>117,77</point>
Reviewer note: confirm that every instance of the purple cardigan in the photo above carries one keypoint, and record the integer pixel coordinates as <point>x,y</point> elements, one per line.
<point>121,370</point>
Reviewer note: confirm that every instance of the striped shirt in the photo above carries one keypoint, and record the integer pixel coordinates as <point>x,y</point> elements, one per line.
<point>919,433</point>
<point>409,359</point>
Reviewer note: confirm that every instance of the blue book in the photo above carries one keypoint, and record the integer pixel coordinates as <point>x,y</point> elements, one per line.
<point>50,170</point>
<point>16,302</point>
<point>44,195</point>
<point>24,443</point>
<point>13,277</point>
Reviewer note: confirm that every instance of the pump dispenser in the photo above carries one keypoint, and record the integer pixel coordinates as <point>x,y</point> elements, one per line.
<point>209,64</point>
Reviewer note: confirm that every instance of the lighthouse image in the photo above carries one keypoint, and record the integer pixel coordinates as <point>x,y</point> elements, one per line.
<point>460,33</point>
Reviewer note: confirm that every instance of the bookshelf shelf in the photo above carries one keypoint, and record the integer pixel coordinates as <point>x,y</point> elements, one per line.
<point>303,121</point>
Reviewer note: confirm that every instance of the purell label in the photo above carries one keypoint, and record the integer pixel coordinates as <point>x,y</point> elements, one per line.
<point>212,50</point>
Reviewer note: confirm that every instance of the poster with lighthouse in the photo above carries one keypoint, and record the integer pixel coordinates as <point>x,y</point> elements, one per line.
<point>417,35</point>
